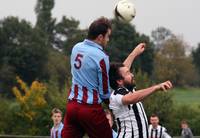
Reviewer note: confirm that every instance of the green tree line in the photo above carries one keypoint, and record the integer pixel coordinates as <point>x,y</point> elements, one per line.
<point>35,69</point>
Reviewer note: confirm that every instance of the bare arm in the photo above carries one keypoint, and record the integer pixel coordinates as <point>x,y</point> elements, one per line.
<point>139,95</point>
<point>137,51</point>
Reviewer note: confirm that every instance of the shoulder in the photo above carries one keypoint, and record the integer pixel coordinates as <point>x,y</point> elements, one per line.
<point>150,126</point>
<point>162,128</point>
<point>121,91</point>
<point>77,45</point>
<point>61,125</point>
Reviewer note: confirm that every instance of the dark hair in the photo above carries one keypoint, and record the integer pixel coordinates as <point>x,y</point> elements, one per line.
<point>114,74</point>
<point>99,26</point>
<point>154,115</point>
<point>56,110</point>
<point>184,122</point>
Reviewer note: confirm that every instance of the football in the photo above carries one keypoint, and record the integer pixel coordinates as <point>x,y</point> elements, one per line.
<point>124,11</point>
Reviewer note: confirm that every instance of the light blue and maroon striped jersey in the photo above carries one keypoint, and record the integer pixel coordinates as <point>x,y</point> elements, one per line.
<point>56,132</point>
<point>89,68</point>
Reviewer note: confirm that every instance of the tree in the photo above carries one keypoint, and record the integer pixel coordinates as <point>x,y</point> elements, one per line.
<point>171,63</point>
<point>67,34</point>
<point>23,51</point>
<point>58,69</point>
<point>160,35</point>
<point>196,57</point>
<point>7,79</point>
<point>30,107</point>
<point>123,40</point>
<point>45,22</point>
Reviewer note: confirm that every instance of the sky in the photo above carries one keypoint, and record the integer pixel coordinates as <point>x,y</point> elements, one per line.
<point>182,17</point>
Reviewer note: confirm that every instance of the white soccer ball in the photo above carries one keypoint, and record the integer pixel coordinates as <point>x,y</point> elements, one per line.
<point>125,10</point>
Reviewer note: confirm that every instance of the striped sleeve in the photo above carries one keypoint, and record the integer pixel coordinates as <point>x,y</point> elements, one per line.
<point>104,86</point>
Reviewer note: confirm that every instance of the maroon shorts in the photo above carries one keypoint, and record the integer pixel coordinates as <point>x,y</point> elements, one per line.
<point>83,118</point>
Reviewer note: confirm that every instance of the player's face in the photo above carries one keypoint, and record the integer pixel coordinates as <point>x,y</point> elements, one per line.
<point>106,38</point>
<point>184,125</point>
<point>128,77</point>
<point>56,117</point>
<point>154,121</point>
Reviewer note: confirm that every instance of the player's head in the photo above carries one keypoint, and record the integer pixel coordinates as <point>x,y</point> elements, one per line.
<point>184,124</point>
<point>120,76</point>
<point>56,116</point>
<point>154,120</point>
<point>100,31</point>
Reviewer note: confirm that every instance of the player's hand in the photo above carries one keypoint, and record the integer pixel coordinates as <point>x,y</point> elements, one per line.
<point>165,86</point>
<point>139,49</point>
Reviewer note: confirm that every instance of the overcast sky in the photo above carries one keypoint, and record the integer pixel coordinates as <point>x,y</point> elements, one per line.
<point>182,17</point>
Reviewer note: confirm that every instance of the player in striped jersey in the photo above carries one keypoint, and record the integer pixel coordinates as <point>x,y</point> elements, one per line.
<point>56,116</point>
<point>156,130</point>
<point>90,85</point>
<point>125,101</point>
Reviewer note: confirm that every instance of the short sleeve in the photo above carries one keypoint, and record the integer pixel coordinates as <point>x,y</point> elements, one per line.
<point>118,95</point>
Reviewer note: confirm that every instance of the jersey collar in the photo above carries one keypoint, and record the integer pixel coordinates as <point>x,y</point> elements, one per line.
<point>92,43</point>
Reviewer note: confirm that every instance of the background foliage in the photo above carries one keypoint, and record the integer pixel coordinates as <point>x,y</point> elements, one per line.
<point>35,71</point>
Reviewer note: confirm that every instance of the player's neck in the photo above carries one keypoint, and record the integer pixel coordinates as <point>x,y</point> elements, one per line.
<point>56,125</point>
<point>98,42</point>
<point>155,127</point>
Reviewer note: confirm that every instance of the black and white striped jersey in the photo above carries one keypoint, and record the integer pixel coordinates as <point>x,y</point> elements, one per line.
<point>131,119</point>
<point>158,132</point>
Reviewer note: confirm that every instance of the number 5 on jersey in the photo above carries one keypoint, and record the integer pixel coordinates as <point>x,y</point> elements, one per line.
<point>78,61</point>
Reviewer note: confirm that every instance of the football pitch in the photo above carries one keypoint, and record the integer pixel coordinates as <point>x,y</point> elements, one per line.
<point>186,96</point>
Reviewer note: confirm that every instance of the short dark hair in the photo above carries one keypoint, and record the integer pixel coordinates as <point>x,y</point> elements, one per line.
<point>154,115</point>
<point>114,74</point>
<point>97,27</point>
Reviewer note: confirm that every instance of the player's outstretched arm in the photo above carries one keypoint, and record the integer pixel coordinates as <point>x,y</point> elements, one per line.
<point>139,95</point>
<point>136,52</point>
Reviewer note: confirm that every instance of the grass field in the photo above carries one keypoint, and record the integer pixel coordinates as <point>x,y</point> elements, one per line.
<point>187,96</point>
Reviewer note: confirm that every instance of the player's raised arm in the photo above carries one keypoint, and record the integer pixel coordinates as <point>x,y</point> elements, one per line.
<point>136,52</point>
<point>139,95</point>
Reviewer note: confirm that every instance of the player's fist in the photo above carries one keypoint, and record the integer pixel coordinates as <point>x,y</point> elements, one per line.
<point>139,49</point>
<point>165,86</point>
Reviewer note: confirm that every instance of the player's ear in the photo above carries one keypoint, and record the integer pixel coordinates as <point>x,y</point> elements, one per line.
<point>100,37</point>
<point>119,82</point>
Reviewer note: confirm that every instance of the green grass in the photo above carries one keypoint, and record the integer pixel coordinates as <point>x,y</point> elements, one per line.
<point>186,96</point>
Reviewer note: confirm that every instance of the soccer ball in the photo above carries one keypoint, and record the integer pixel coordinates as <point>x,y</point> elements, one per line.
<point>124,11</point>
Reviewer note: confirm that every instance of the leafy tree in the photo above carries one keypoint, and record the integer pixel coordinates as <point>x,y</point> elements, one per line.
<point>196,57</point>
<point>31,104</point>
<point>66,32</point>
<point>7,79</point>
<point>45,22</point>
<point>79,36</point>
<point>56,97</point>
<point>6,115</point>
<point>142,80</point>
<point>160,35</point>
<point>58,68</point>
<point>171,63</point>
<point>123,40</point>
<point>23,51</point>
<point>32,99</point>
